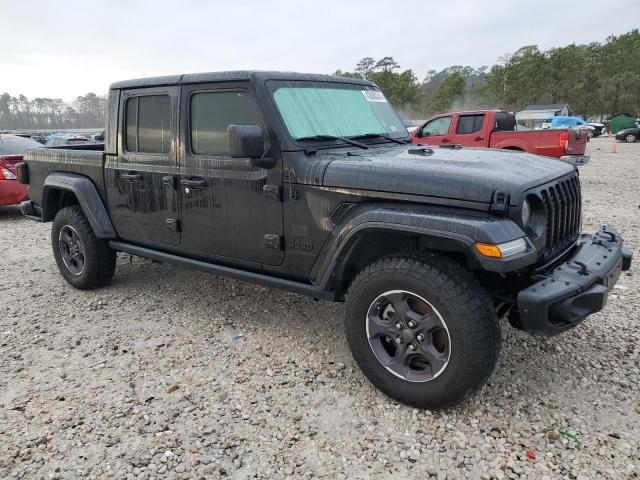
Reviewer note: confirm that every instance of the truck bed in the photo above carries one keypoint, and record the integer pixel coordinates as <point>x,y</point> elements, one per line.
<point>81,159</point>
<point>546,142</point>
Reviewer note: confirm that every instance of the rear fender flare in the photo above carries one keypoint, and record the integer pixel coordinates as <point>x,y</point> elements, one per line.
<point>515,143</point>
<point>88,198</point>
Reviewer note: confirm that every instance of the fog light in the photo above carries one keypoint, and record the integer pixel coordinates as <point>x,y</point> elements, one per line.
<point>501,250</point>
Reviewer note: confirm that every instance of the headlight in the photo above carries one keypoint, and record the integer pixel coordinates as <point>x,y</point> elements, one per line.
<point>534,217</point>
<point>526,213</point>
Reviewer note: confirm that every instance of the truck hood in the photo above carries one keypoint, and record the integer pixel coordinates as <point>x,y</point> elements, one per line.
<point>469,174</point>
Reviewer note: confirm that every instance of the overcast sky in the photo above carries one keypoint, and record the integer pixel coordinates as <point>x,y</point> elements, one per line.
<point>66,48</point>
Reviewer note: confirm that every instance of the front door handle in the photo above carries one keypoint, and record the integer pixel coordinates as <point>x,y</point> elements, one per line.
<point>195,183</point>
<point>131,177</point>
<point>477,139</point>
<point>445,140</point>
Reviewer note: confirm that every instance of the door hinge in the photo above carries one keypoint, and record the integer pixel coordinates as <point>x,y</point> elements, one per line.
<point>293,195</point>
<point>500,203</point>
<point>172,224</point>
<point>272,191</point>
<point>273,241</point>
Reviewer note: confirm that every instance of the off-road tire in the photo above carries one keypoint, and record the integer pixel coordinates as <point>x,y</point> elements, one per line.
<point>463,304</point>
<point>99,258</point>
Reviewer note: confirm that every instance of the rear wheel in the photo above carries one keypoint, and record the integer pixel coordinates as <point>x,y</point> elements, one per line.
<point>630,138</point>
<point>422,330</point>
<point>84,261</point>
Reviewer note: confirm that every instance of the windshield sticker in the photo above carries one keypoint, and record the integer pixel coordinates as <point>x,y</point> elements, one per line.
<point>374,96</point>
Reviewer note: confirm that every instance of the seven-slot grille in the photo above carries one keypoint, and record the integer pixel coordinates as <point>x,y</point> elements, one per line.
<point>562,205</point>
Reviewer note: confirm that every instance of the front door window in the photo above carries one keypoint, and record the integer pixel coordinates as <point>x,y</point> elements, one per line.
<point>437,127</point>
<point>211,115</point>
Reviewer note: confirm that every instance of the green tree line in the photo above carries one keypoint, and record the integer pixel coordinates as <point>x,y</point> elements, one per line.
<point>86,111</point>
<point>597,80</point>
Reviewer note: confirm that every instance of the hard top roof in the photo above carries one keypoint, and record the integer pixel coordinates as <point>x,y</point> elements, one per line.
<point>241,75</point>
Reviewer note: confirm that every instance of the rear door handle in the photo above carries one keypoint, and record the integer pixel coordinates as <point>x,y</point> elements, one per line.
<point>195,183</point>
<point>131,177</point>
<point>169,181</point>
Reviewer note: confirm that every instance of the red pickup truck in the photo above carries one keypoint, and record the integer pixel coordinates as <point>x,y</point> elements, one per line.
<point>497,129</point>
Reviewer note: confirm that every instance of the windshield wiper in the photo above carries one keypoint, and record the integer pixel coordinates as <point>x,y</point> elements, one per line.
<point>382,135</point>
<point>311,138</point>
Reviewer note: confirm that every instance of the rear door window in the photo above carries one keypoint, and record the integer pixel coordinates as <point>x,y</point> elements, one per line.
<point>468,124</point>
<point>148,124</point>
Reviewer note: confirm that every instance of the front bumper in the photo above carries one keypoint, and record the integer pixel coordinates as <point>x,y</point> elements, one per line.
<point>576,288</point>
<point>577,160</point>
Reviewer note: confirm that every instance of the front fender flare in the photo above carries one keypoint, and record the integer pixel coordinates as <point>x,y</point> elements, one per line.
<point>442,228</point>
<point>88,197</point>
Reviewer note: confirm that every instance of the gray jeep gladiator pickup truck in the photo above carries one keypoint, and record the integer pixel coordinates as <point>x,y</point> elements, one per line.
<point>308,183</point>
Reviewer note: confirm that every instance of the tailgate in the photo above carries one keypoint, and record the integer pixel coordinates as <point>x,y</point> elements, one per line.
<point>577,142</point>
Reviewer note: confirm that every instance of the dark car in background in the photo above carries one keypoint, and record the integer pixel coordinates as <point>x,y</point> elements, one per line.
<point>11,149</point>
<point>629,135</point>
<point>598,128</point>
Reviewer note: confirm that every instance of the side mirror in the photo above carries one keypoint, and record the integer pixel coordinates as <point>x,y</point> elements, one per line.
<point>246,141</point>
<point>418,132</point>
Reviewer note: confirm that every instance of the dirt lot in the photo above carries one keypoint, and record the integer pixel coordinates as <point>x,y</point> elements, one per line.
<point>170,373</point>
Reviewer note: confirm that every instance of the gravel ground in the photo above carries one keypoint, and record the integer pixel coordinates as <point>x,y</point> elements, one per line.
<point>169,373</point>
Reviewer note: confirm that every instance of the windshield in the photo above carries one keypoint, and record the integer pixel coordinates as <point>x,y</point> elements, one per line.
<point>312,109</point>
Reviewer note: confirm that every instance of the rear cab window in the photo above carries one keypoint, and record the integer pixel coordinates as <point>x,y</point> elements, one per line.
<point>505,122</point>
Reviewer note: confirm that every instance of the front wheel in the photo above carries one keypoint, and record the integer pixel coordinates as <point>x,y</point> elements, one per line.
<point>422,330</point>
<point>630,138</point>
<point>84,261</point>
